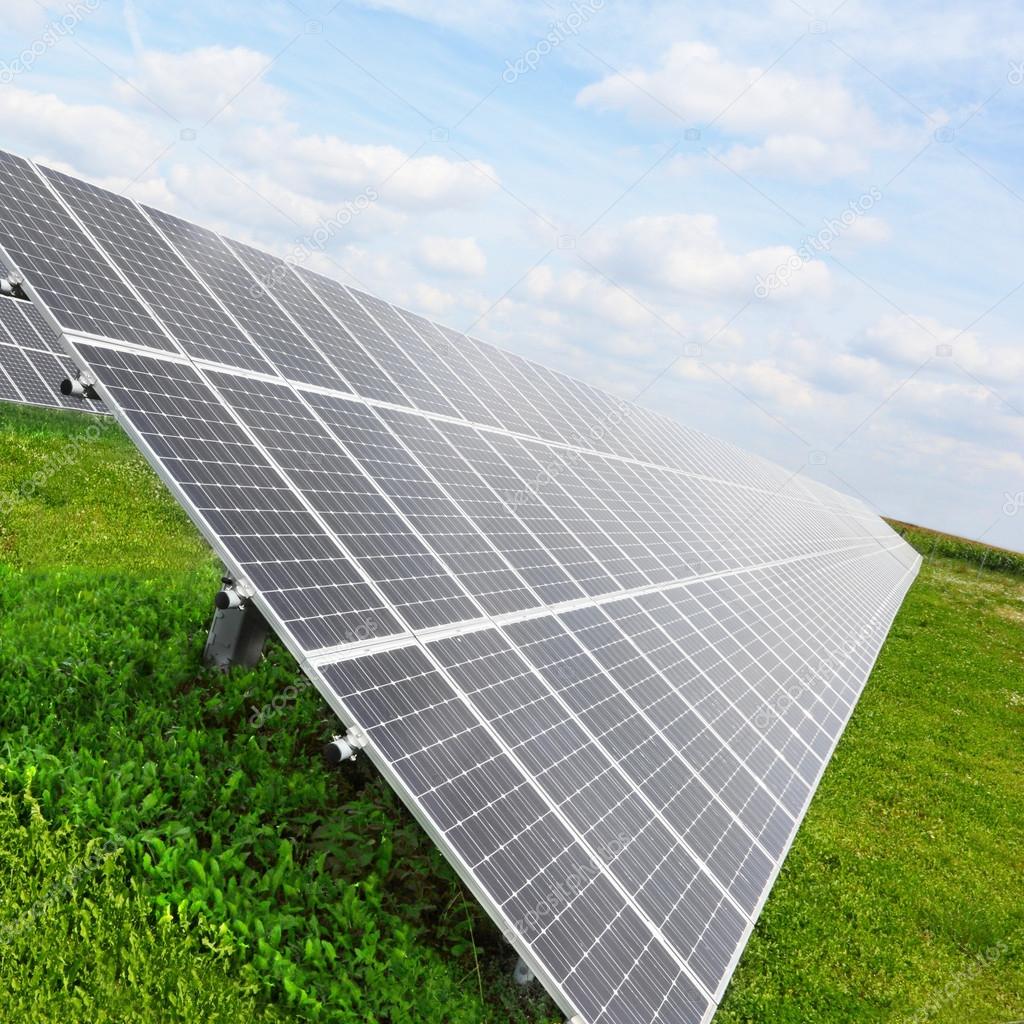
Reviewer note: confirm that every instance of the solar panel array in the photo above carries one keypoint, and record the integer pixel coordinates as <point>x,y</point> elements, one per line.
<point>32,360</point>
<point>603,658</point>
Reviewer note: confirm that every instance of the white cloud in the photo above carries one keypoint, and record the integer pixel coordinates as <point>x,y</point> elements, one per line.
<point>685,254</point>
<point>251,117</point>
<point>797,156</point>
<point>198,84</point>
<point>26,17</point>
<point>268,209</point>
<point>583,292</point>
<point>95,139</point>
<point>765,379</point>
<point>458,257</point>
<point>869,230</point>
<point>909,340</point>
<point>424,298</point>
<point>324,164</point>
<point>698,83</point>
<point>802,125</point>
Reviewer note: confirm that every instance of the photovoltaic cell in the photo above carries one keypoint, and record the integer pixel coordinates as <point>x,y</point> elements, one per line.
<point>414,582</point>
<point>309,584</point>
<point>505,831</point>
<point>69,274</point>
<point>32,363</point>
<point>165,283</point>
<point>603,658</point>
<point>445,529</point>
<point>26,331</point>
<point>276,339</point>
<point>412,381</point>
<point>483,379</point>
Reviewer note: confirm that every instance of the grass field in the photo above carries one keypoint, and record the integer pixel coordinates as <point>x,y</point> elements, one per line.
<point>163,858</point>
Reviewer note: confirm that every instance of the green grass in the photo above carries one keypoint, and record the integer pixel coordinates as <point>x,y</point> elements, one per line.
<point>163,860</point>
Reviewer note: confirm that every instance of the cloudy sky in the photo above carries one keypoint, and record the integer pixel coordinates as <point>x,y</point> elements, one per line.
<point>795,227</point>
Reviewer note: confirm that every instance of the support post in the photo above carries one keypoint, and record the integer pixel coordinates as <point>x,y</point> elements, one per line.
<point>522,975</point>
<point>238,631</point>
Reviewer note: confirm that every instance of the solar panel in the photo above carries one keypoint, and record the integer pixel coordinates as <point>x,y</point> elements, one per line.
<point>32,361</point>
<point>603,658</point>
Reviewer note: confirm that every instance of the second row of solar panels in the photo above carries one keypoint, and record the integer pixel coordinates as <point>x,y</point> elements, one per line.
<point>229,303</point>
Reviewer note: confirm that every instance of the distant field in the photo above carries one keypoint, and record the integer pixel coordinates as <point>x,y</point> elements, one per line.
<point>163,858</point>
<point>931,543</point>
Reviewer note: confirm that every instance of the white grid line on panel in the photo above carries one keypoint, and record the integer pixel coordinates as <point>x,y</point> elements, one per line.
<point>354,295</point>
<point>685,758</point>
<point>202,366</point>
<point>185,360</point>
<point>696,711</point>
<point>388,376</point>
<point>614,765</point>
<point>441,349</point>
<point>408,452</point>
<point>482,427</point>
<point>554,511</point>
<point>328,656</point>
<point>584,483</point>
<point>597,739</point>
<point>115,272</point>
<point>782,641</point>
<point>333,436</point>
<point>315,297</point>
<point>637,909</point>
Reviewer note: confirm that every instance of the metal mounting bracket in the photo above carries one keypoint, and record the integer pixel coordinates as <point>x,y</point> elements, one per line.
<point>82,385</point>
<point>347,747</point>
<point>238,631</point>
<point>11,285</point>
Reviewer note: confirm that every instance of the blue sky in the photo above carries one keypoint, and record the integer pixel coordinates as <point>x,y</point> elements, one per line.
<point>794,227</point>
